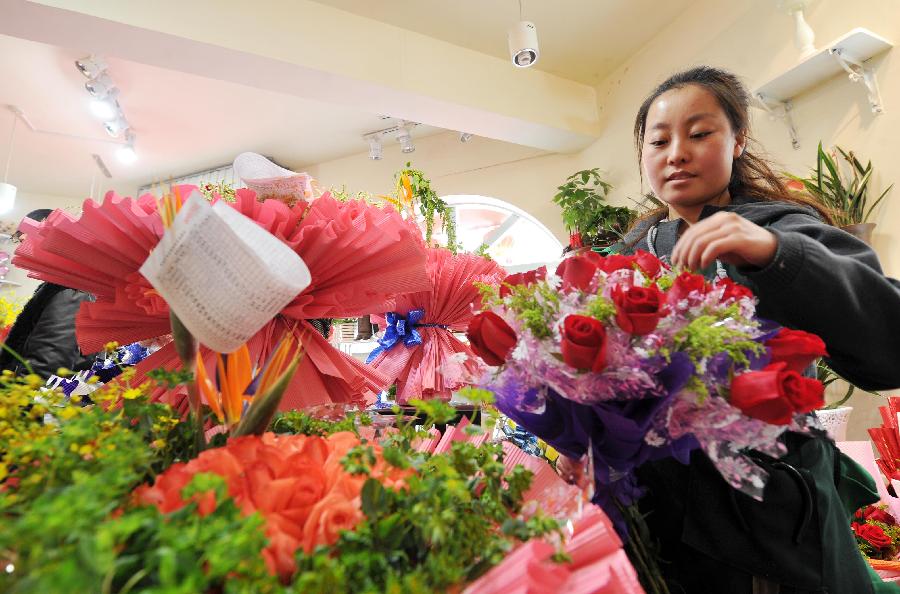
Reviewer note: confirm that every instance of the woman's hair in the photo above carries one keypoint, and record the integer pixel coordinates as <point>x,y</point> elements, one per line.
<point>751,174</point>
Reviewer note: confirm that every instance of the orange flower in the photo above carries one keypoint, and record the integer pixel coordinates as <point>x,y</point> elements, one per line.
<point>239,385</point>
<point>295,482</point>
<point>328,518</point>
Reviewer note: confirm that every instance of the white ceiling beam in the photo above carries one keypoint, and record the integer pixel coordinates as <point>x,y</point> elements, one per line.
<point>313,51</point>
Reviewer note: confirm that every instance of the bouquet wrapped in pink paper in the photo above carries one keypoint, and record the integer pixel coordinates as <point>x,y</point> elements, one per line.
<point>360,258</point>
<point>419,337</point>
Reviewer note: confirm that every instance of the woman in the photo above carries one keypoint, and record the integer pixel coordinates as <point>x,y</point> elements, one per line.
<point>729,214</point>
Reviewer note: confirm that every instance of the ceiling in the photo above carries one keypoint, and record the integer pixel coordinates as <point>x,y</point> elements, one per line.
<point>183,123</point>
<point>186,123</point>
<point>581,40</point>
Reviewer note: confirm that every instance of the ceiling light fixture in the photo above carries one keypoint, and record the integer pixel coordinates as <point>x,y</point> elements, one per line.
<point>100,86</point>
<point>403,137</point>
<point>126,153</point>
<point>465,137</point>
<point>7,190</point>
<point>523,42</point>
<point>116,126</point>
<point>106,108</point>
<point>105,105</point>
<point>376,149</point>
<point>91,66</point>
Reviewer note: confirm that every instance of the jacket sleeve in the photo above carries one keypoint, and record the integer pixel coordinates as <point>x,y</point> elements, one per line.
<point>825,281</point>
<point>52,344</point>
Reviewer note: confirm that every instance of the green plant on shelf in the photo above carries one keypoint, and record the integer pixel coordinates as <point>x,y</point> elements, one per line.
<point>846,195</point>
<point>585,212</point>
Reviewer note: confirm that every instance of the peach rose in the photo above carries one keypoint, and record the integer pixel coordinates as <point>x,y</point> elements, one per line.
<point>328,518</point>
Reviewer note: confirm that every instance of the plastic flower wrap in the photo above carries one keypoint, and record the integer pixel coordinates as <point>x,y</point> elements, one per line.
<point>360,256</point>
<point>630,361</point>
<point>419,337</point>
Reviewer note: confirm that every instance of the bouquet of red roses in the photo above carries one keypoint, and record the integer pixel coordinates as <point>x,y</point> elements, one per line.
<point>877,532</point>
<point>626,360</point>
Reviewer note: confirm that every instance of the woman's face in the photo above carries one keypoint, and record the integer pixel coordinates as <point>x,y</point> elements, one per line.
<point>689,148</point>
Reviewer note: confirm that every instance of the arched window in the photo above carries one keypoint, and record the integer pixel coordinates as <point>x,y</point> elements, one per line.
<point>515,239</point>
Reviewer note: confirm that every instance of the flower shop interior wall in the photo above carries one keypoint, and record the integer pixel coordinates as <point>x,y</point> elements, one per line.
<point>750,37</point>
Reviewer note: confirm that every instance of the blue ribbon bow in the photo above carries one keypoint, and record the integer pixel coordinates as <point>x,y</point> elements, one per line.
<point>400,329</point>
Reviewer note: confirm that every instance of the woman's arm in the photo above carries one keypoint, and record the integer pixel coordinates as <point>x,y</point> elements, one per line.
<point>825,281</point>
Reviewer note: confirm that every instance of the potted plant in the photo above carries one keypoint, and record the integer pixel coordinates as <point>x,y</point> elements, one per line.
<point>845,195</point>
<point>835,416</point>
<point>588,219</point>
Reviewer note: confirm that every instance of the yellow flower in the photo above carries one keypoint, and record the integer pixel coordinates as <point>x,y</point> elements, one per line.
<point>132,393</point>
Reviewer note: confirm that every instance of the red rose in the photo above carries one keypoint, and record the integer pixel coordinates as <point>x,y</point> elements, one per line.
<point>577,272</point>
<point>648,263</point>
<point>491,337</point>
<point>638,309</point>
<point>879,515</point>
<point>584,343</point>
<point>610,264</point>
<point>733,290</point>
<point>522,278</point>
<point>796,348</point>
<point>775,393</point>
<point>874,535</point>
<point>684,284</point>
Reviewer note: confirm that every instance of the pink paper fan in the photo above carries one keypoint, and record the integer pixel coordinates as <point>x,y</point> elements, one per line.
<point>448,308</point>
<point>374,250</point>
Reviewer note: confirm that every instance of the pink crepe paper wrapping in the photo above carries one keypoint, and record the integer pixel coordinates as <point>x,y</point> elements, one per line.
<point>360,257</point>
<point>599,565</point>
<point>417,369</point>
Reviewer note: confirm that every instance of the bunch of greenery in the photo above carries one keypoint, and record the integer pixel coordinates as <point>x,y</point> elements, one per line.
<point>413,187</point>
<point>846,196</point>
<point>585,211</point>
<point>68,521</point>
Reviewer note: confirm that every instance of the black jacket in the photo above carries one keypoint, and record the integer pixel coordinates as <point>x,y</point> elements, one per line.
<point>715,539</point>
<point>44,333</point>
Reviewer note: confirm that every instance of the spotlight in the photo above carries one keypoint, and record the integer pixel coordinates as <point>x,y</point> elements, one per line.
<point>523,44</point>
<point>403,137</point>
<point>126,153</point>
<point>100,86</point>
<point>116,126</point>
<point>465,137</point>
<point>376,152</point>
<point>90,66</point>
<point>104,109</point>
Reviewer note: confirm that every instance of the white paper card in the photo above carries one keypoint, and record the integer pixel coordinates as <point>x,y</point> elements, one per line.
<point>223,275</point>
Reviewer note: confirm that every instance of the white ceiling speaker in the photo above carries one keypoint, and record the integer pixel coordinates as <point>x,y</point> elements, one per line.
<point>523,44</point>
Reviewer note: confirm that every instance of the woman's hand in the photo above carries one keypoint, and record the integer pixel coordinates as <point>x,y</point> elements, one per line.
<point>571,470</point>
<point>727,237</point>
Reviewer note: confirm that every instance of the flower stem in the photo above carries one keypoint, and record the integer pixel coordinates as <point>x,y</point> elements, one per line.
<point>186,347</point>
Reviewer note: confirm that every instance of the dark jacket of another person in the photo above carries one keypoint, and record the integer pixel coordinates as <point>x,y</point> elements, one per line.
<point>44,333</point>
